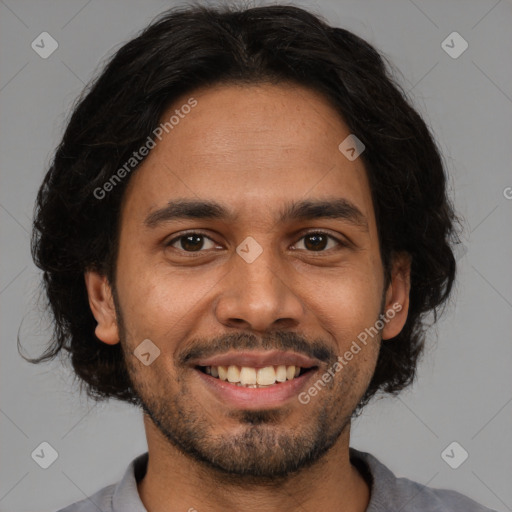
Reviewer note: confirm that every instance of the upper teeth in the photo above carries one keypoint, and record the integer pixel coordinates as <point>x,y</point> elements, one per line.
<point>247,376</point>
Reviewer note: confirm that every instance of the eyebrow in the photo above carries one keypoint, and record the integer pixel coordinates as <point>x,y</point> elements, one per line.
<point>338,208</point>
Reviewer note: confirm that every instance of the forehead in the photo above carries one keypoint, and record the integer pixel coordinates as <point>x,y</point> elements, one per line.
<point>250,147</point>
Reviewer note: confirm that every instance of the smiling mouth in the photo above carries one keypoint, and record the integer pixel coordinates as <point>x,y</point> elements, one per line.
<point>250,377</point>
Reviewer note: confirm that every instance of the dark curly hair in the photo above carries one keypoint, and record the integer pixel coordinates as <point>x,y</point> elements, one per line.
<point>189,47</point>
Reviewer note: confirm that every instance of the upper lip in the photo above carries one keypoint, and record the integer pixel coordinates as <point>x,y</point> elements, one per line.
<point>255,359</point>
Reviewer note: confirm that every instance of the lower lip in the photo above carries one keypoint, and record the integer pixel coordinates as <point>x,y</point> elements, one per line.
<point>255,398</point>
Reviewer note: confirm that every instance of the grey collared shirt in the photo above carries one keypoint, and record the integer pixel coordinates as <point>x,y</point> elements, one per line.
<point>388,493</point>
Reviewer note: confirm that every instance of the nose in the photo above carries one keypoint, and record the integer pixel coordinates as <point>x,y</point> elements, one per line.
<point>258,296</point>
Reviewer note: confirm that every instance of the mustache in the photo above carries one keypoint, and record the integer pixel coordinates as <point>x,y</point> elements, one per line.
<point>279,340</point>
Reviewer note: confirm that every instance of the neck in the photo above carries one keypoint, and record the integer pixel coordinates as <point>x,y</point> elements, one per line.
<point>175,481</point>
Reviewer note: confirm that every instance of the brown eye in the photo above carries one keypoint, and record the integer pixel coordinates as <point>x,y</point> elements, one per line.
<point>190,242</point>
<point>317,241</point>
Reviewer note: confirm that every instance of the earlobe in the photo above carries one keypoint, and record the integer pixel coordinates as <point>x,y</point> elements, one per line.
<point>102,307</point>
<point>397,296</point>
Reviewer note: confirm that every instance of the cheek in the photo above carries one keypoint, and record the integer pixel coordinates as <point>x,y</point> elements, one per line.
<point>158,301</point>
<point>347,300</point>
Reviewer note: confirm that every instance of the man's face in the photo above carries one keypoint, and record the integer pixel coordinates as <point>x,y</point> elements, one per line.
<point>252,291</point>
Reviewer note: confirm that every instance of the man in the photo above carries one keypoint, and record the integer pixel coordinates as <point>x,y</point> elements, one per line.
<point>241,233</point>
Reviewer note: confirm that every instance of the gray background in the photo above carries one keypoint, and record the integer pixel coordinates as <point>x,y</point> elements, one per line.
<point>464,390</point>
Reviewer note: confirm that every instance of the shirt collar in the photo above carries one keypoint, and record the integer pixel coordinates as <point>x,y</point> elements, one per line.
<point>381,480</point>
<point>126,496</point>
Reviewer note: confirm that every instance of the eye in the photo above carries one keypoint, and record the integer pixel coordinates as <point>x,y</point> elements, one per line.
<point>190,242</point>
<point>314,241</point>
<point>317,241</point>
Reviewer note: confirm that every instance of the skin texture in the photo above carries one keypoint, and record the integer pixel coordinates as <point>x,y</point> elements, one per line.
<point>254,149</point>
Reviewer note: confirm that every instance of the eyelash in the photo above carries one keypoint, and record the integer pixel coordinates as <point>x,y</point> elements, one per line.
<point>192,253</point>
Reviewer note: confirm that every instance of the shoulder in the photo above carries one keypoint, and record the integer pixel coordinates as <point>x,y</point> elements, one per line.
<point>116,497</point>
<point>418,497</point>
<point>100,501</point>
<point>391,493</point>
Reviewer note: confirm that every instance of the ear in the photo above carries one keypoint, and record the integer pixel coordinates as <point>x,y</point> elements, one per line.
<point>102,306</point>
<point>397,295</point>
